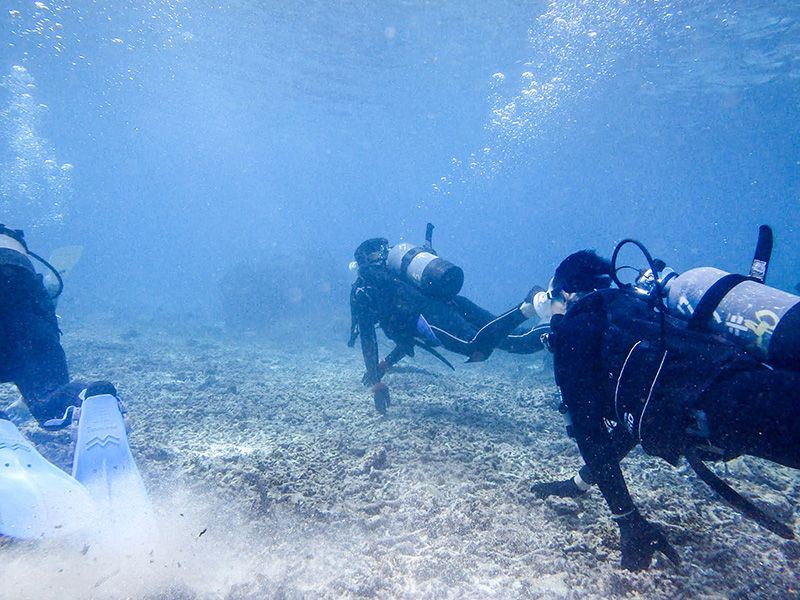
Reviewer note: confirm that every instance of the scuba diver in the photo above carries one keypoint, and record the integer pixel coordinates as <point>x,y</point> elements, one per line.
<point>36,497</point>
<point>412,294</point>
<point>703,365</point>
<point>30,351</point>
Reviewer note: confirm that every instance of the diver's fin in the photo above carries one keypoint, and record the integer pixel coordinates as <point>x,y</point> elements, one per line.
<point>37,499</point>
<point>429,238</point>
<point>62,260</point>
<point>735,499</point>
<point>65,258</point>
<point>103,461</point>
<point>430,350</point>
<point>17,411</point>
<point>426,333</point>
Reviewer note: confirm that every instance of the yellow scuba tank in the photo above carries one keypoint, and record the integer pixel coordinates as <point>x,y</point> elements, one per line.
<point>763,319</point>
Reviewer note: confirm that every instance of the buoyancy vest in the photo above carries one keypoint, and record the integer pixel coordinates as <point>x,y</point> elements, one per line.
<point>658,370</point>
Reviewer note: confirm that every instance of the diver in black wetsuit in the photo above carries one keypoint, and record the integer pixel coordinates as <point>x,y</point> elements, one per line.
<point>630,375</point>
<point>410,318</point>
<point>31,355</point>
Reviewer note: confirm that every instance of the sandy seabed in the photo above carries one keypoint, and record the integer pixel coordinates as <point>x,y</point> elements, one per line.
<point>272,476</point>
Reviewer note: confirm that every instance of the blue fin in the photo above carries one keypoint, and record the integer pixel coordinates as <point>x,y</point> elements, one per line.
<point>103,461</point>
<point>37,499</point>
<point>426,333</point>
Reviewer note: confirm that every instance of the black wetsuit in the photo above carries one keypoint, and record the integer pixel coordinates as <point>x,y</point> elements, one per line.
<point>626,379</point>
<point>31,356</point>
<point>378,297</point>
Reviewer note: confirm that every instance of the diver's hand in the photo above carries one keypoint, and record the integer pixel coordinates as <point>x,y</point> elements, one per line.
<point>563,489</point>
<point>383,367</point>
<point>639,540</point>
<point>380,393</point>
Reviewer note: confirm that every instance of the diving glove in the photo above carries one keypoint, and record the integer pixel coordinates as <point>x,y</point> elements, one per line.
<point>383,367</point>
<point>380,393</point>
<point>640,540</point>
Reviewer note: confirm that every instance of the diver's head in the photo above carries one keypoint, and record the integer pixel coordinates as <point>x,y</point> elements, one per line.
<point>372,252</point>
<point>579,274</point>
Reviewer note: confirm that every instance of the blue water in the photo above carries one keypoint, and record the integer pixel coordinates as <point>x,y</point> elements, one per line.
<point>176,139</point>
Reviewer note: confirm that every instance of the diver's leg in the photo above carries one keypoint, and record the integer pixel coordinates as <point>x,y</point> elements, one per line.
<point>42,366</point>
<point>757,412</point>
<point>450,327</point>
<point>524,340</point>
<point>472,313</point>
<point>30,349</point>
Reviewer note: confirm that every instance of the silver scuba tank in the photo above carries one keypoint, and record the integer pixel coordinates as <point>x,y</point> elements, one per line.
<point>420,267</point>
<point>764,320</point>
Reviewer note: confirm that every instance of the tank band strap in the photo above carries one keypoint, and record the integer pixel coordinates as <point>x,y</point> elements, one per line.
<point>409,256</point>
<point>713,296</point>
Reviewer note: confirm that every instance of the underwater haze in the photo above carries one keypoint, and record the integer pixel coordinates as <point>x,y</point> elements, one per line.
<point>174,139</point>
<point>220,161</point>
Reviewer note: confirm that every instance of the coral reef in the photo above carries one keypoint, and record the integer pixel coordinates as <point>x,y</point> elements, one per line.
<point>274,477</point>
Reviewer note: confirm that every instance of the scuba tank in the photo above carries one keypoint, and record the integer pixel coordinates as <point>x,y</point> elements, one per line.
<point>422,268</point>
<point>55,284</point>
<point>764,320</point>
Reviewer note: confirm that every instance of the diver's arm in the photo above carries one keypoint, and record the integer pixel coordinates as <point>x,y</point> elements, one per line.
<point>639,539</point>
<point>496,332</point>
<point>369,350</point>
<point>492,335</point>
<point>363,325</point>
<point>579,372</point>
<point>395,356</point>
<point>372,378</point>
